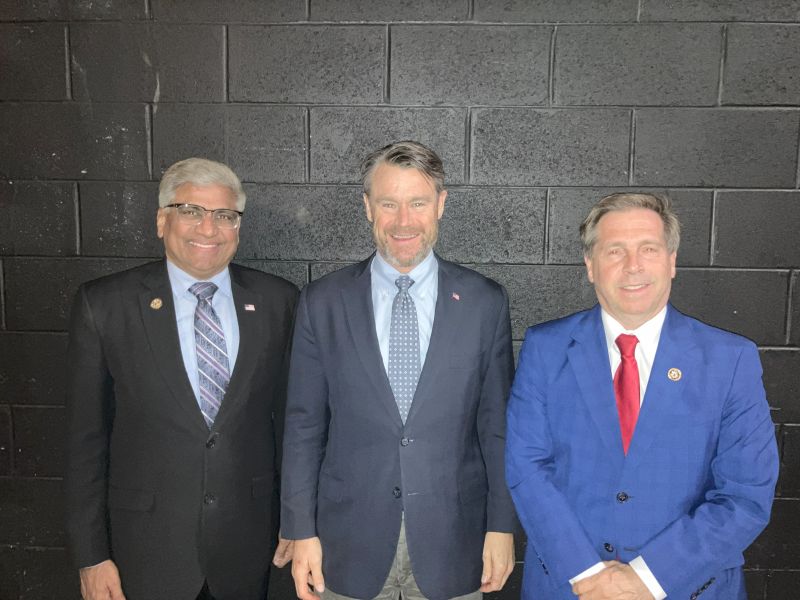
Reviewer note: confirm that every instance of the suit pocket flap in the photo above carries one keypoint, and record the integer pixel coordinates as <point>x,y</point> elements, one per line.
<point>263,485</point>
<point>128,499</point>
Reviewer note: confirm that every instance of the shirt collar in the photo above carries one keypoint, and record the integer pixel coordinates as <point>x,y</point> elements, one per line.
<point>647,333</point>
<point>385,274</point>
<point>181,281</point>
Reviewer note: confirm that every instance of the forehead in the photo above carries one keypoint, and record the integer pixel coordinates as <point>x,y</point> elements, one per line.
<point>207,196</point>
<point>631,224</point>
<point>388,179</point>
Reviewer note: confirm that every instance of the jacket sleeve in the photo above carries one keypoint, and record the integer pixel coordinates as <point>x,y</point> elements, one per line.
<point>492,422</point>
<point>738,502</point>
<point>90,413</point>
<point>305,431</point>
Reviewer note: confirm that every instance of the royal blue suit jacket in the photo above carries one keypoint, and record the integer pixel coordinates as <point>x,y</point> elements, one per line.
<point>351,467</point>
<point>696,486</point>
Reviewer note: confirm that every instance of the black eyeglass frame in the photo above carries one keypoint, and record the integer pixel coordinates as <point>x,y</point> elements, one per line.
<point>205,210</point>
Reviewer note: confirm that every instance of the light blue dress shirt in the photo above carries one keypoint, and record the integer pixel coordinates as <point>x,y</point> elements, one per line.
<point>424,292</point>
<point>185,304</point>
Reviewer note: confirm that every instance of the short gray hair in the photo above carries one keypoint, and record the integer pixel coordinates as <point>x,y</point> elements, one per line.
<point>199,172</point>
<point>406,154</point>
<point>658,203</point>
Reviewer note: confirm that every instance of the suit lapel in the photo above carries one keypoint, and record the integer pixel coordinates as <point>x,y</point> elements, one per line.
<point>158,316</point>
<point>664,394</point>
<point>588,357</point>
<point>357,300</point>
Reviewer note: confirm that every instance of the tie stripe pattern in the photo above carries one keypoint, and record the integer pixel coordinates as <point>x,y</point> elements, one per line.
<point>212,354</point>
<point>626,388</point>
<point>404,363</point>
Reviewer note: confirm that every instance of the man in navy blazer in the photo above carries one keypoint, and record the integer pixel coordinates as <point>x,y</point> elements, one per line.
<point>641,455</point>
<point>388,489</point>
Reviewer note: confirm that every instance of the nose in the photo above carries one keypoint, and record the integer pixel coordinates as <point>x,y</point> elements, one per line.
<point>631,264</point>
<point>402,215</point>
<point>207,226</point>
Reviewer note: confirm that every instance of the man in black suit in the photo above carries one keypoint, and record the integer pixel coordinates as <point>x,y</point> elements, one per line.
<point>175,399</point>
<point>395,423</point>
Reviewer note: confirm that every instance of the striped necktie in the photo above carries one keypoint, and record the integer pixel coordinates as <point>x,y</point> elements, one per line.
<point>212,353</point>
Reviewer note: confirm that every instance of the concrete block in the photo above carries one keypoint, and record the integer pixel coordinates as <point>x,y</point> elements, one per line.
<point>755,581</point>
<point>37,573</point>
<point>38,218</point>
<point>794,328</point>
<point>569,207</point>
<point>342,137</point>
<point>389,10</point>
<point>31,512</point>
<point>321,269</point>
<point>762,65</point>
<point>306,64</point>
<point>73,141</point>
<point>782,585</point>
<point>32,62</point>
<point>147,62</point>
<point>32,368</point>
<point>789,482</point>
<point>541,293</point>
<point>778,547</point>
<point>184,130</point>
<point>520,146</point>
<point>556,11</point>
<point>434,64</point>
<point>305,223</point>
<point>224,11</point>
<point>782,383</point>
<point>39,292</point>
<point>751,303</point>
<point>6,446</point>
<point>39,441</point>
<point>719,10</point>
<point>296,272</point>
<point>757,229</point>
<point>637,64</point>
<point>267,143</point>
<point>75,10</point>
<point>493,225</point>
<point>119,219</point>
<point>716,147</point>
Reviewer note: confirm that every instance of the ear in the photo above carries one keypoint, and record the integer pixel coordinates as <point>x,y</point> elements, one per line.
<point>587,260</point>
<point>367,208</point>
<point>440,203</point>
<point>161,222</point>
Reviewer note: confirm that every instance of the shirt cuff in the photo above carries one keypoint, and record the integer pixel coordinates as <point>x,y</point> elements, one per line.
<point>593,570</point>
<point>646,575</point>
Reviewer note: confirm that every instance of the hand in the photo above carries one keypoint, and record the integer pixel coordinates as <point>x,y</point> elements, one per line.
<point>617,581</point>
<point>283,553</point>
<point>101,582</point>
<point>498,560</point>
<point>307,569</point>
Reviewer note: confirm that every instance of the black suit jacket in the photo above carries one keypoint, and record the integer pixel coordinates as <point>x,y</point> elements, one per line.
<point>147,484</point>
<point>352,467</point>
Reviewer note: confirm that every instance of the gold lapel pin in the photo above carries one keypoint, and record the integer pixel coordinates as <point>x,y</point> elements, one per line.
<point>674,374</point>
<point>156,303</point>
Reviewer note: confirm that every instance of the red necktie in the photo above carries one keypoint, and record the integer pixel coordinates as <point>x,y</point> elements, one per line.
<point>626,388</point>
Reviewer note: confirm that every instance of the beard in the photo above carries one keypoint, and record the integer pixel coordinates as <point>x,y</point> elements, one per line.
<point>427,240</point>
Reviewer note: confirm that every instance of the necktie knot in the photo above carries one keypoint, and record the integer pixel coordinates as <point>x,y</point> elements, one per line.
<point>627,344</point>
<point>204,290</point>
<point>403,283</point>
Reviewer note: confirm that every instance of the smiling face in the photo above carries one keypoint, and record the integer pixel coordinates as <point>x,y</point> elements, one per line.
<point>404,209</point>
<point>201,250</point>
<point>630,265</point>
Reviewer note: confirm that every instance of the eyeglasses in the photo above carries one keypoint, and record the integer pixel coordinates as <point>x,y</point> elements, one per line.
<point>191,214</point>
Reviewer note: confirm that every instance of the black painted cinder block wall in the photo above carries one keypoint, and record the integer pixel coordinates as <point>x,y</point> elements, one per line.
<point>537,107</point>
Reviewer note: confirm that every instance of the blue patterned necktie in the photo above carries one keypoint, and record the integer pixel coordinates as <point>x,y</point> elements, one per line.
<point>404,364</point>
<point>212,353</point>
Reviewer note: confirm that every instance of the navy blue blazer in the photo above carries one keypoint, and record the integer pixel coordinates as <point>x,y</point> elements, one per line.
<point>696,486</point>
<point>352,468</point>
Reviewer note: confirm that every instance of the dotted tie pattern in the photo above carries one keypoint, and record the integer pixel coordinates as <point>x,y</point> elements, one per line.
<point>404,363</point>
<point>212,355</point>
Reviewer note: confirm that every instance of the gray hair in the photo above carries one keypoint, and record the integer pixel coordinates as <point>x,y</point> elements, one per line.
<point>660,204</point>
<point>406,154</point>
<point>199,172</point>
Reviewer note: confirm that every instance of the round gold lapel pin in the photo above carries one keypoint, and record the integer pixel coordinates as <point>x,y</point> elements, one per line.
<point>674,374</point>
<point>156,303</point>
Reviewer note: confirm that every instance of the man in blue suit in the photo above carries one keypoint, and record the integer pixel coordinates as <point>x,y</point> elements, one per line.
<point>395,426</point>
<point>641,455</point>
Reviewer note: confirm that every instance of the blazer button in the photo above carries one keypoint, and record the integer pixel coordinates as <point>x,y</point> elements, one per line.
<point>404,442</point>
<point>396,492</point>
<point>209,499</point>
<point>212,441</point>
<point>608,547</point>
<point>622,497</point>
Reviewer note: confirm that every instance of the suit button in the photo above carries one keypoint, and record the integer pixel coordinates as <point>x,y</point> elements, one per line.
<point>404,442</point>
<point>622,497</point>
<point>209,499</point>
<point>396,492</point>
<point>608,547</point>
<point>212,441</point>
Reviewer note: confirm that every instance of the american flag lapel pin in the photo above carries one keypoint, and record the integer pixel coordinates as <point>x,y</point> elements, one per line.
<point>455,296</point>
<point>250,307</point>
